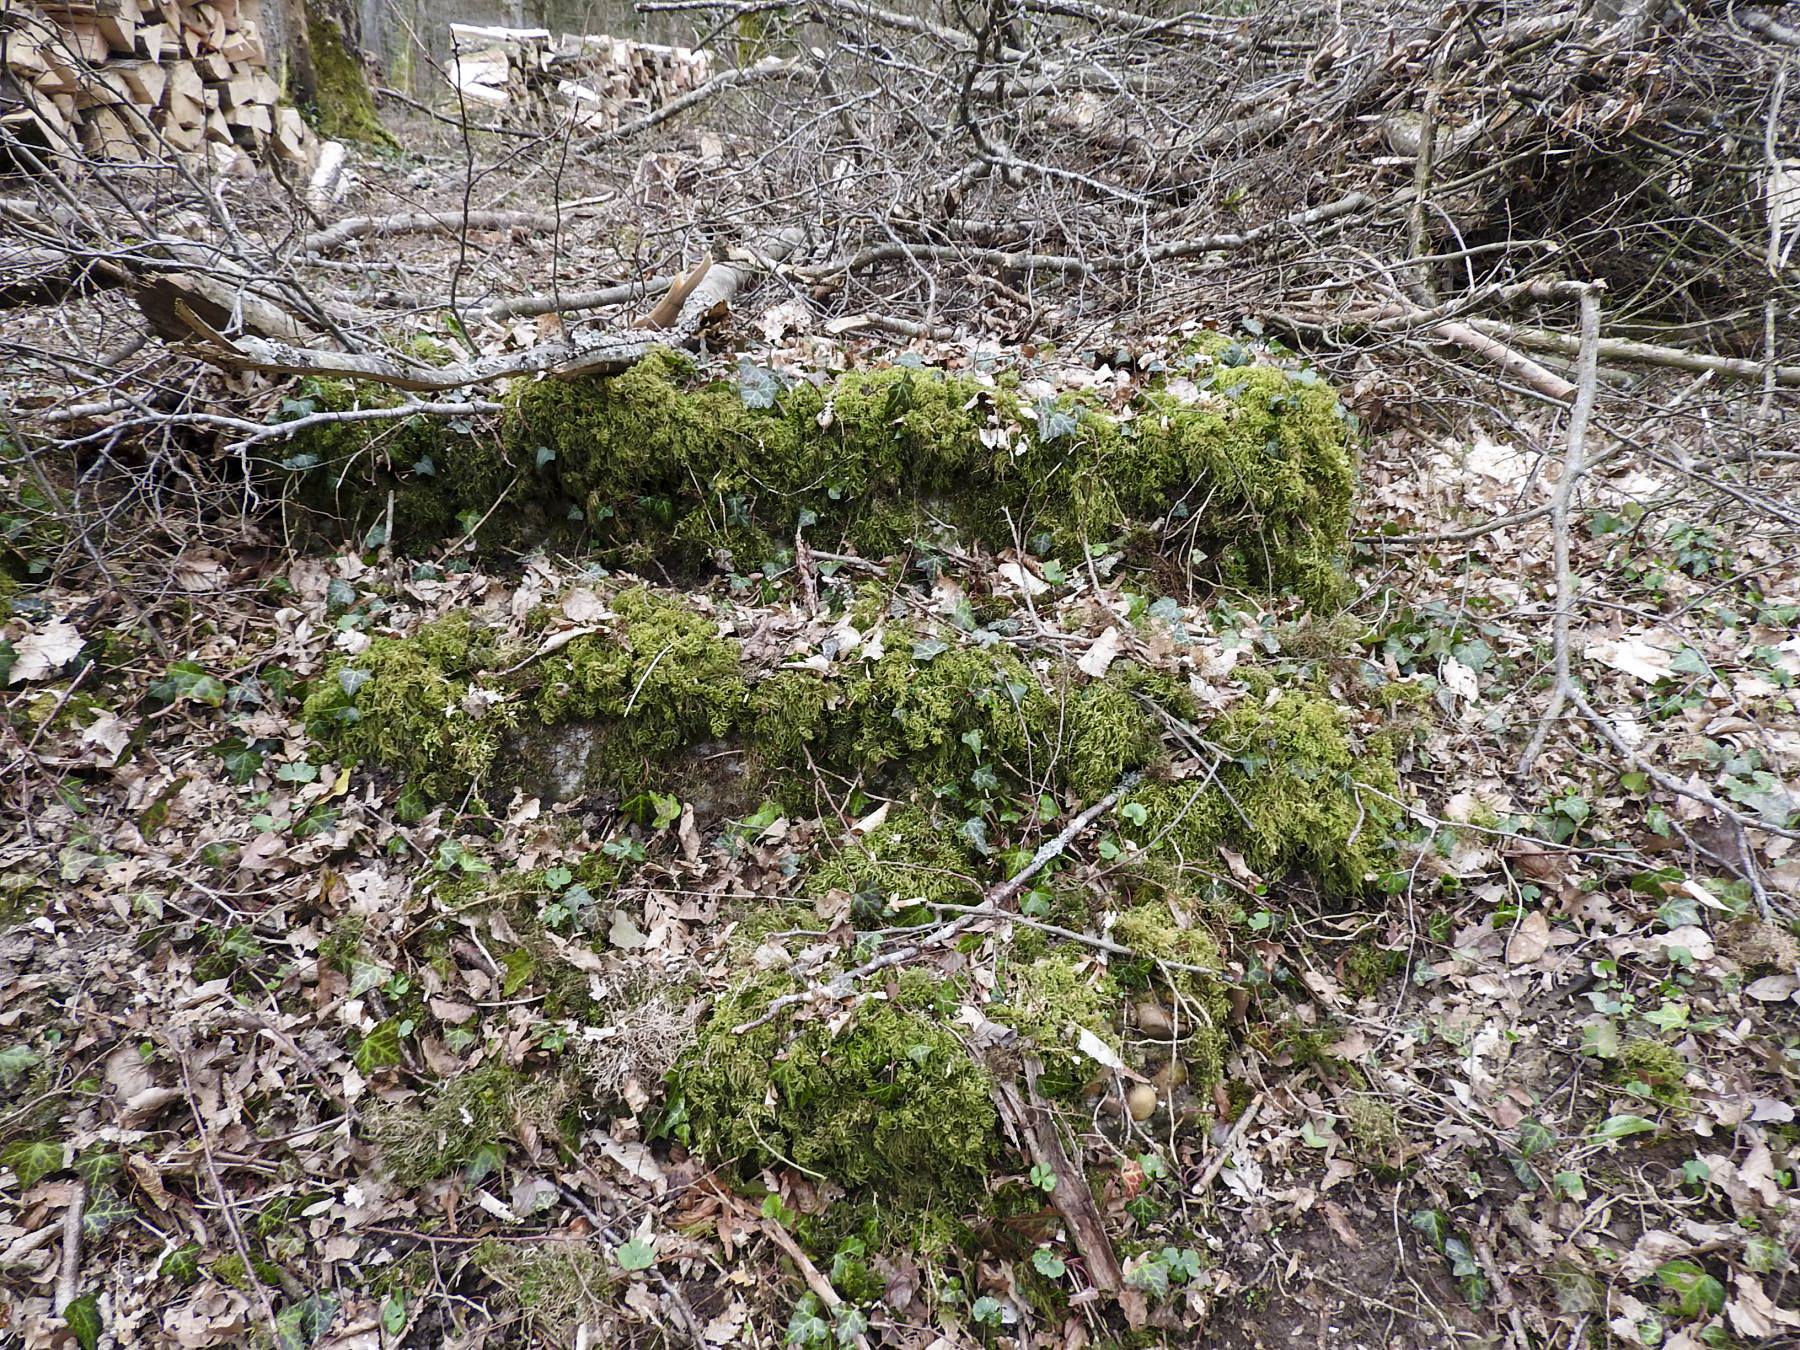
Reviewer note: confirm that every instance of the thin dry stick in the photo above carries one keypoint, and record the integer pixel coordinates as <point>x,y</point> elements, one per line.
<point>1774,205</point>
<point>224,1199</point>
<point>1587,377</point>
<point>1238,1130</point>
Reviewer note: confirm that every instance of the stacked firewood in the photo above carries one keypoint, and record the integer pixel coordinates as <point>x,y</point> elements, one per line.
<point>131,81</point>
<point>597,80</point>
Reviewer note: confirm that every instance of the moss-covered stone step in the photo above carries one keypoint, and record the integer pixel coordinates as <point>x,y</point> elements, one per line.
<point>613,711</point>
<point>1240,472</point>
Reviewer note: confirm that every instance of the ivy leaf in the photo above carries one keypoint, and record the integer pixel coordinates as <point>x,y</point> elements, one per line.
<point>242,760</point>
<point>637,1254</point>
<point>1433,1225</point>
<point>97,1167</point>
<point>304,1323</point>
<point>380,1049</point>
<point>83,1317</point>
<point>188,681</point>
<point>32,1160</point>
<point>1152,1277</point>
<point>1622,1126</point>
<point>1534,1138</point>
<point>1048,1264</point>
<point>1695,1290</point>
<point>182,1264</point>
<point>929,648</point>
<point>106,1209</point>
<point>756,386</point>
<point>320,820</point>
<point>668,810</point>
<point>15,1061</point>
<point>1055,422</point>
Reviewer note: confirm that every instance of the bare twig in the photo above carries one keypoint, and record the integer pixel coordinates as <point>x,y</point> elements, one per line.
<point>1574,466</point>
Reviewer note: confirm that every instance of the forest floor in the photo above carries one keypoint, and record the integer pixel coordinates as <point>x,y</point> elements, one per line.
<point>1530,1084</point>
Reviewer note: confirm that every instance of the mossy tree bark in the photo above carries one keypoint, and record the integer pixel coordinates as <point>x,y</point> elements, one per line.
<point>324,49</point>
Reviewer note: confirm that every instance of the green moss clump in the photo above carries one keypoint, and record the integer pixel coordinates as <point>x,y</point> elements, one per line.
<point>944,715</point>
<point>892,1102</point>
<point>789,712</point>
<point>464,1117</point>
<point>912,859</point>
<point>1293,787</point>
<point>1655,1067</point>
<point>653,463</point>
<point>441,481</point>
<point>406,703</point>
<point>664,681</point>
<point>1368,967</point>
<point>1110,732</point>
<point>556,1284</point>
<point>1374,1129</point>
<point>1286,794</point>
<point>345,111</point>
<point>1045,1001</point>
<point>1150,929</point>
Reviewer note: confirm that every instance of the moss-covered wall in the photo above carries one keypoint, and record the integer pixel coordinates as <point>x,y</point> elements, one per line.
<point>1252,483</point>
<point>440,707</point>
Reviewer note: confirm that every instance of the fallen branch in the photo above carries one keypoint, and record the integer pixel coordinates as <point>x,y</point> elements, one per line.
<point>565,358</point>
<point>769,68</point>
<point>1769,27</point>
<point>68,1275</point>
<point>1035,1125</point>
<point>1239,1127</point>
<point>1641,353</point>
<point>530,306</point>
<point>1077,266</point>
<point>424,222</point>
<point>1546,382</point>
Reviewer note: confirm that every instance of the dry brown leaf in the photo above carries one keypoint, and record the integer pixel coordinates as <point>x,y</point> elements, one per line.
<point>1529,940</point>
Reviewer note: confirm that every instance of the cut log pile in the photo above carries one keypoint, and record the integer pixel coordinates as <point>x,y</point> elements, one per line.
<point>597,80</point>
<point>134,81</point>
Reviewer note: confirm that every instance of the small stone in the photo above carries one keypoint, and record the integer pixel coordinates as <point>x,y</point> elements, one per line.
<point>1153,1019</point>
